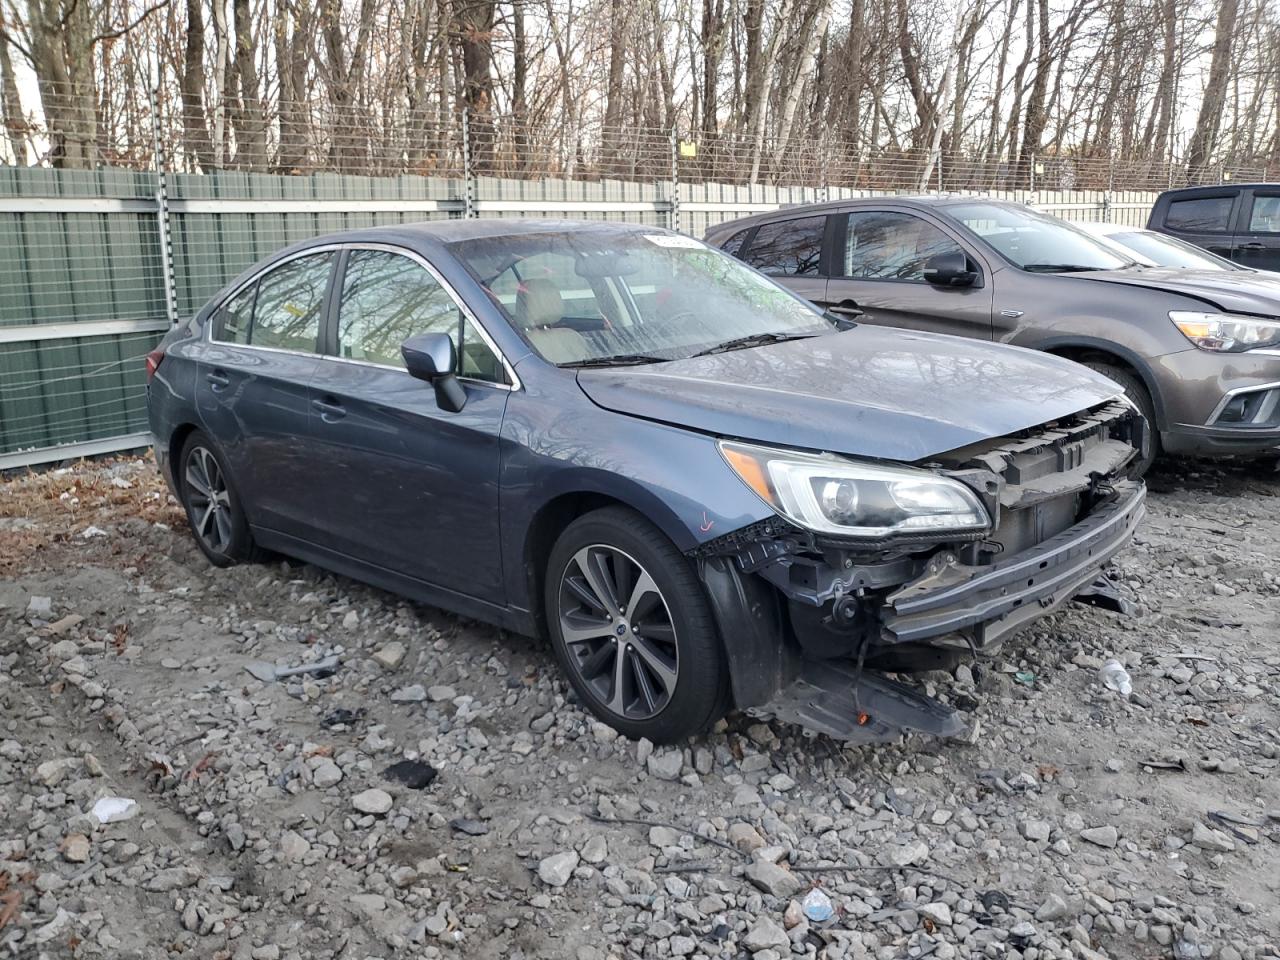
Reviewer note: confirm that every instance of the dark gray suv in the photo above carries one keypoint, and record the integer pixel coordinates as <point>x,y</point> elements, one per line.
<point>1197,351</point>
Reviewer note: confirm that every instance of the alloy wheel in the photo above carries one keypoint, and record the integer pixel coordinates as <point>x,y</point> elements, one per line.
<point>208,499</point>
<point>618,632</point>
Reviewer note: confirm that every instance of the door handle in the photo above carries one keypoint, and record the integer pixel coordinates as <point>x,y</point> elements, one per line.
<point>329,409</point>
<point>1254,245</point>
<point>218,379</point>
<point>847,308</point>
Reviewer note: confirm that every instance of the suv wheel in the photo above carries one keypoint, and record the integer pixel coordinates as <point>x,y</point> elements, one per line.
<point>212,504</point>
<point>632,629</point>
<point>1136,391</point>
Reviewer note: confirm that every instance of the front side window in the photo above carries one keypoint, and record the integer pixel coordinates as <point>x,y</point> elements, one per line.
<point>1202,215</point>
<point>1034,241</point>
<point>611,293</point>
<point>286,314</point>
<point>788,248</point>
<point>387,298</point>
<point>1265,217</point>
<point>891,246</point>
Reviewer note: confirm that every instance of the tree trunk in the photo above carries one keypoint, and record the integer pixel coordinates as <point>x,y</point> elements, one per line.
<point>62,59</point>
<point>1215,92</point>
<point>1037,115</point>
<point>195,130</point>
<point>17,132</point>
<point>475,21</point>
<point>248,120</point>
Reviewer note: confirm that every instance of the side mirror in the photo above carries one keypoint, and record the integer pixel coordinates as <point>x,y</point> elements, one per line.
<point>431,357</point>
<point>949,270</point>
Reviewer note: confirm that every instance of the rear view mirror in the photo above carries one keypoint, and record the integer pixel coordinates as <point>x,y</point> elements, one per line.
<point>431,357</point>
<point>949,270</point>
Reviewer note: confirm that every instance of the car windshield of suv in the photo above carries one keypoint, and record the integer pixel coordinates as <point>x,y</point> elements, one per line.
<point>1033,241</point>
<point>612,297</point>
<point>1170,251</point>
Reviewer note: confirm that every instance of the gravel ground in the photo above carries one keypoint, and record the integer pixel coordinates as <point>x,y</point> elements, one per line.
<point>265,823</point>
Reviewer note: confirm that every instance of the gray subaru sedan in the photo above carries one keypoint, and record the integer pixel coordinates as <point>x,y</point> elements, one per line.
<point>701,489</point>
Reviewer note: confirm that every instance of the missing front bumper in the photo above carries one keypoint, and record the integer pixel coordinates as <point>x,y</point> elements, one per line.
<point>991,602</point>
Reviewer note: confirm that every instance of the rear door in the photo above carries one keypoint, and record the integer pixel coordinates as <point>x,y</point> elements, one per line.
<point>1257,239</point>
<point>403,484</point>
<point>252,387</point>
<point>789,251</point>
<point>877,267</point>
<point>1205,220</point>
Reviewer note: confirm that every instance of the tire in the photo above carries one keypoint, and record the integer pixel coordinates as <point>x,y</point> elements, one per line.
<point>674,678</point>
<point>1136,391</point>
<point>222,534</point>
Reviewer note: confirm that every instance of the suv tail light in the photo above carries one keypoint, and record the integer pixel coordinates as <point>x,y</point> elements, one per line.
<point>153,362</point>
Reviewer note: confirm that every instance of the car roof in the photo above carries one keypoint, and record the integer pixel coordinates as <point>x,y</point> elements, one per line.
<point>449,231</point>
<point>1101,228</point>
<point>1213,189</point>
<point>917,200</point>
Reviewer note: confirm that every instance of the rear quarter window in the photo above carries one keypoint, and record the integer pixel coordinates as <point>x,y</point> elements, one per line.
<point>1200,215</point>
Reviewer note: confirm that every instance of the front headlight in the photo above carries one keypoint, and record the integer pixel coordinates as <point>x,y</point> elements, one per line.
<point>1226,332</point>
<point>828,494</point>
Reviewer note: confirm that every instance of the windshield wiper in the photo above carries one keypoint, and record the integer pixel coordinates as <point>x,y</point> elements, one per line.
<point>752,340</point>
<point>616,360</point>
<point>1061,268</point>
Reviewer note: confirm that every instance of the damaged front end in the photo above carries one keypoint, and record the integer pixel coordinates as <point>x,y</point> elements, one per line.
<point>813,615</point>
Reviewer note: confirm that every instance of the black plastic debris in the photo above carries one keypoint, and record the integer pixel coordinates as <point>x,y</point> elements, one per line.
<point>342,717</point>
<point>992,899</point>
<point>719,933</point>
<point>414,774</point>
<point>472,828</point>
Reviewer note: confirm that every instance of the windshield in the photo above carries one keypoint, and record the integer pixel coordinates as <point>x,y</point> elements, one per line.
<point>1170,251</point>
<point>1035,241</point>
<point>607,294</point>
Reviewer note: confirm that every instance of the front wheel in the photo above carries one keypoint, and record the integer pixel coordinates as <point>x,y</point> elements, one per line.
<point>1137,392</point>
<point>632,629</point>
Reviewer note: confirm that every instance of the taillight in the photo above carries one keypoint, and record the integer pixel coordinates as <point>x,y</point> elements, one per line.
<point>153,362</point>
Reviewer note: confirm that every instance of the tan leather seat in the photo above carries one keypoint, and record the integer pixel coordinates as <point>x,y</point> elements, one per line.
<point>538,304</point>
<point>538,307</point>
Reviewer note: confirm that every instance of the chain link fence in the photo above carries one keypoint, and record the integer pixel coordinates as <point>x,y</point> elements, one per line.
<point>124,216</point>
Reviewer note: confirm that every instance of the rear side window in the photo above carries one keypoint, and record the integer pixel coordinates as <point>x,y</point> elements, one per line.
<point>281,309</point>
<point>733,246</point>
<point>1265,217</point>
<point>788,248</point>
<point>235,320</point>
<point>891,246</point>
<point>387,298</point>
<point>1201,215</point>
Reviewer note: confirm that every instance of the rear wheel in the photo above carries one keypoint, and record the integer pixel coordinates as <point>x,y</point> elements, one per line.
<point>1137,392</point>
<point>632,629</point>
<point>212,504</point>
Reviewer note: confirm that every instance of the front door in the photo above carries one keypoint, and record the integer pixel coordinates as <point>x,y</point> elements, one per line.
<point>877,267</point>
<point>1257,241</point>
<point>252,388</point>
<point>407,486</point>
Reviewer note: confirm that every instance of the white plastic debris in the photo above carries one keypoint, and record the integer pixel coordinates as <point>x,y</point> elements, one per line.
<point>817,906</point>
<point>114,809</point>
<point>1116,677</point>
<point>89,532</point>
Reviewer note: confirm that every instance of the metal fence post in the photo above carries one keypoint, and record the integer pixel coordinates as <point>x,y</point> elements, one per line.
<point>673,210</point>
<point>162,215</point>
<point>468,172</point>
<point>938,160</point>
<point>1033,173</point>
<point>826,168</point>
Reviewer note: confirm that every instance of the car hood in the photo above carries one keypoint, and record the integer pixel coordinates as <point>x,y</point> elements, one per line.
<point>1242,291</point>
<point>867,392</point>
